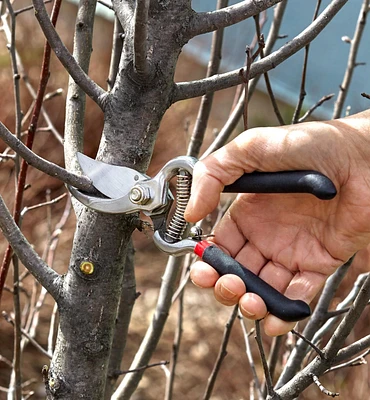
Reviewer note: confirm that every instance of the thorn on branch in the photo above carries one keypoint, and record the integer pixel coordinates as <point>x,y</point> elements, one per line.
<point>322,388</point>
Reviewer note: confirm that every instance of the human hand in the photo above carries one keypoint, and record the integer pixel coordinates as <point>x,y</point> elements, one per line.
<point>293,242</point>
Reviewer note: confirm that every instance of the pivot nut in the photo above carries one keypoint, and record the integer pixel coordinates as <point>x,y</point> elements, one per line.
<point>140,195</point>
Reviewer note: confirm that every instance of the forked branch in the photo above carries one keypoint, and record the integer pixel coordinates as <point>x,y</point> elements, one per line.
<point>186,90</point>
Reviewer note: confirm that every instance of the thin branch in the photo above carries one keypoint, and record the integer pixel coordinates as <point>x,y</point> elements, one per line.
<point>351,64</point>
<point>210,21</point>
<point>322,388</point>
<point>49,168</point>
<point>359,360</point>
<point>118,38</point>
<point>265,75</point>
<point>313,108</point>
<point>46,203</point>
<point>21,178</point>
<point>192,89</point>
<point>179,327</point>
<point>237,111</point>
<point>28,8</point>
<point>221,354</point>
<point>126,304</point>
<point>318,318</point>
<point>106,4</point>
<point>140,38</point>
<point>342,305</point>
<point>258,337</point>
<point>76,97</point>
<point>318,366</point>
<point>92,89</point>
<point>130,371</point>
<point>30,259</point>
<point>353,349</point>
<point>302,92</point>
<point>153,334</point>
<point>16,383</point>
<point>273,359</point>
<point>207,99</point>
<point>312,345</point>
<point>37,345</point>
<point>248,351</point>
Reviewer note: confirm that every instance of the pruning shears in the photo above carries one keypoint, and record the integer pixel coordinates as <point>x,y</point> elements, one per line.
<point>125,190</point>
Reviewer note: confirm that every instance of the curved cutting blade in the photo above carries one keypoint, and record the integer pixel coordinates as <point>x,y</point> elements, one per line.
<point>111,180</point>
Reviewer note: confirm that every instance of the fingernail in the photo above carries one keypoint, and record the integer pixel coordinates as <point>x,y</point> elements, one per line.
<point>226,293</point>
<point>246,313</point>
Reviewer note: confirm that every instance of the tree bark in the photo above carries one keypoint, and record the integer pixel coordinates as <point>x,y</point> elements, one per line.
<point>89,304</point>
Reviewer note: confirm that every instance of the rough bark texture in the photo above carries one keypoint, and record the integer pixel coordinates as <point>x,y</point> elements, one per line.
<point>133,111</point>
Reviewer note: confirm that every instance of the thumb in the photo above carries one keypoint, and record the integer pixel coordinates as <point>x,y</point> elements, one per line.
<point>263,149</point>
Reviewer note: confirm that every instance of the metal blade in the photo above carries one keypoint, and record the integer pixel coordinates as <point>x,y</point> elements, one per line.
<point>112,180</point>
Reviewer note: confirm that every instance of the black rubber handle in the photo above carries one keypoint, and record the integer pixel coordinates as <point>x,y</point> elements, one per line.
<point>277,304</point>
<point>285,182</point>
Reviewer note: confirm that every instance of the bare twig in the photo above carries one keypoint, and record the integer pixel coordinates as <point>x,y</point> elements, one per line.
<point>351,64</point>
<point>318,318</point>
<point>312,345</point>
<point>353,349</point>
<point>46,203</point>
<point>130,371</point>
<point>70,64</point>
<point>322,388</point>
<point>126,304</point>
<point>176,344</point>
<point>221,355</point>
<point>192,89</point>
<point>315,106</point>
<point>319,365</point>
<point>28,8</point>
<point>342,305</point>
<point>141,64</point>
<point>237,111</point>
<point>359,360</point>
<point>44,76</point>
<point>118,38</point>
<point>76,97</point>
<point>211,21</point>
<point>207,99</point>
<point>302,92</point>
<point>149,343</point>
<point>30,259</point>
<point>49,168</point>
<point>258,337</point>
<point>248,350</point>
<point>12,321</point>
<point>265,75</point>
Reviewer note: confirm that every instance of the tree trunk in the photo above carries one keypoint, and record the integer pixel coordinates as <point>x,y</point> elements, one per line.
<point>92,286</point>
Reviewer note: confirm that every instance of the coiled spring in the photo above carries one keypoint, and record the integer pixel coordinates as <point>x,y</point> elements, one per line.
<point>177,225</point>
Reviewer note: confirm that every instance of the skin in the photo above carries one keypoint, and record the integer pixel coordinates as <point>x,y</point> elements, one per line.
<point>293,242</point>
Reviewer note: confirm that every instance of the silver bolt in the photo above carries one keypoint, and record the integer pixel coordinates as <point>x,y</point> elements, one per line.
<point>139,195</point>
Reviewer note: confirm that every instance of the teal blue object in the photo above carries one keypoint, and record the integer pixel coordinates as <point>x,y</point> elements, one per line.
<point>327,60</point>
